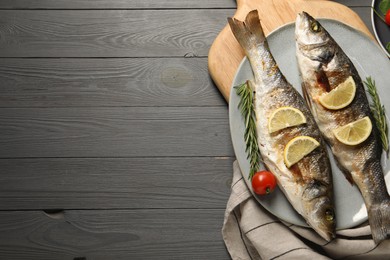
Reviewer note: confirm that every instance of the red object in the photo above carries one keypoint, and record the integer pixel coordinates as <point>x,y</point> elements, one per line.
<point>387,17</point>
<point>263,182</point>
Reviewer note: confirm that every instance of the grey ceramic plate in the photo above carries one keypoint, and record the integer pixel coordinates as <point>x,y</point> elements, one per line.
<point>369,61</point>
<point>381,30</point>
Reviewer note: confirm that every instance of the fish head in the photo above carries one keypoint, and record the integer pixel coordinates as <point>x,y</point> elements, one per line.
<point>312,40</point>
<point>319,208</point>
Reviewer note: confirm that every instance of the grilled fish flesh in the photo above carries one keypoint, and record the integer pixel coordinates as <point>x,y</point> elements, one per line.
<point>323,66</point>
<point>308,183</point>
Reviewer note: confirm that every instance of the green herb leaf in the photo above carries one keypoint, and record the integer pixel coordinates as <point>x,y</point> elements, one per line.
<point>250,136</point>
<point>388,47</point>
<point>378,15</point>
<point>384,5</point>
<point>378,111</point>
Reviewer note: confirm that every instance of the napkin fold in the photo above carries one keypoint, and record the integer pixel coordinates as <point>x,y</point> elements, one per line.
<point>250,232</point>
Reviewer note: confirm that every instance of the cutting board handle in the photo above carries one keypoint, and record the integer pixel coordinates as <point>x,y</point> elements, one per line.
<point>226,54</point>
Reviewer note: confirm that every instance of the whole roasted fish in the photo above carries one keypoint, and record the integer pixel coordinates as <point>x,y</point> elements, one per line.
<point>308,183</point>
<point>323,66</point>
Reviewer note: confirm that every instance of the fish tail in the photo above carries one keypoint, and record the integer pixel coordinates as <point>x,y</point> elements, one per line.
<point>379,219</point>
<point>248,33</point>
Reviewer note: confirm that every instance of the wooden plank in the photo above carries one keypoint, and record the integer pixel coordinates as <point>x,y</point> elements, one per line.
<point>109,33</point>
<point>113,234</point>
<point>115,4</point>
<point>138,4</point>
<point>114,132</point>
<point>112,183</point>
<point>106,82</point>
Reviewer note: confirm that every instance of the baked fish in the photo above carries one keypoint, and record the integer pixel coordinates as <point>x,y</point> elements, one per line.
<point>307,184</point>
<point>324,67</point>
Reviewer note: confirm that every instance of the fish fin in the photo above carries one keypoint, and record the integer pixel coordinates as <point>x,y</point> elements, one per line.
<point>322,80</point>
<point>248,33</point>
<point>253,88</point>
<point>346,173</point>
<point>379,219</point>
<point>251,84</point>
<point>306,96</point>
<point>348,176</point>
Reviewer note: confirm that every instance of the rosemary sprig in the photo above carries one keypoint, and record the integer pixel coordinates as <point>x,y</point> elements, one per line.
<point>378,111</point>
<point>247,110</point>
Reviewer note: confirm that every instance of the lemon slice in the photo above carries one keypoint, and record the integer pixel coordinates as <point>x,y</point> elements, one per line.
<point>284,117</point>
<point>354,133</point>
<point>339,97</point>
<point>297,148</point>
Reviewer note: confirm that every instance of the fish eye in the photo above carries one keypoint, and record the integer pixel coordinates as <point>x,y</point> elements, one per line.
<point>329,215</point>
<point>314,26</point>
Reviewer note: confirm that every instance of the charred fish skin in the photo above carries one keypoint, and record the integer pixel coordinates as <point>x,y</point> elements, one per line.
<point>308,183</point>
<point>323,66</point>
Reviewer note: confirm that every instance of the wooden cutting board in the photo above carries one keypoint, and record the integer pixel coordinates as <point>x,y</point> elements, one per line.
<point>226,54</point>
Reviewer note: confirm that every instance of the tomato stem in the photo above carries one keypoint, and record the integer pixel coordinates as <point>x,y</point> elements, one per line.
<point>268,190</point>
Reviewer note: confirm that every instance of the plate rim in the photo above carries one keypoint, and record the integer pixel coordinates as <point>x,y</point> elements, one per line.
<point>374,29</point>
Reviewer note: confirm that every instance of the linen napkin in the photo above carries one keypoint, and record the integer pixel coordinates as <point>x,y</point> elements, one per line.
<point>250,232</point>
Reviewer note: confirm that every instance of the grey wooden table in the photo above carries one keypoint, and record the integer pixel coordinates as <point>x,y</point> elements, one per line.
<point>114,141</point>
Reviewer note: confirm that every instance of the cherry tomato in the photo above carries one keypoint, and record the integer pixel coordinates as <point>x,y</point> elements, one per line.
<point>263,182</point>
<point>387,17</point>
